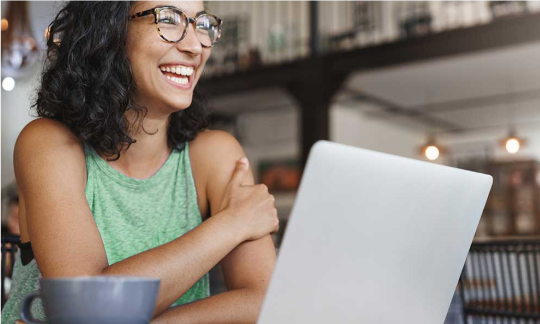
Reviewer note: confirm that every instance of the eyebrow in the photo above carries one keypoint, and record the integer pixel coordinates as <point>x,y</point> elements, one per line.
<point>165,5</point>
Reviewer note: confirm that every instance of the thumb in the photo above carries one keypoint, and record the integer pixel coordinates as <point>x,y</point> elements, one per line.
<point>238,175</point>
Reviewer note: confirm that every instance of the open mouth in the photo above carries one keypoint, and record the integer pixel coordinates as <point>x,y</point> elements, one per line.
<point>179,75</point>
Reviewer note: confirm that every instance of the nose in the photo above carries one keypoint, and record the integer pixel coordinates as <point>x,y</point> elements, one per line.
<point>190,43</point>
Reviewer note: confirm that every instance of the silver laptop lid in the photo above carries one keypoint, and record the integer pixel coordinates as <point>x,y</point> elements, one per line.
<point>374,238</point>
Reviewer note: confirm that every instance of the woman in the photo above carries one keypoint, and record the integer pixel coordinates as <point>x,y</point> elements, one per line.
<point>118,174</point>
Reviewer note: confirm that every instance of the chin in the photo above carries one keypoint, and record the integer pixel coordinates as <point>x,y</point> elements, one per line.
<point>178,105</point>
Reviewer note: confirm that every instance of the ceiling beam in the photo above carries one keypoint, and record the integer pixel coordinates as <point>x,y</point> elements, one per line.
<point>480,102</point>
<point>388,107</point>
<point>267,76</point>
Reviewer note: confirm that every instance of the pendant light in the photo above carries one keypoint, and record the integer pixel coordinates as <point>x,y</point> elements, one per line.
<point>513,143</point>
<point>19,48</point>
<point>431,149</point>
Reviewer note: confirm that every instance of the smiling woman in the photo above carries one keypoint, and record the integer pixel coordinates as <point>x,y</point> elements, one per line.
<point>121,175</point>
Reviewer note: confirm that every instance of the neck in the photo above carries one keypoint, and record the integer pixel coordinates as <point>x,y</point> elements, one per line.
<point>150,151</point>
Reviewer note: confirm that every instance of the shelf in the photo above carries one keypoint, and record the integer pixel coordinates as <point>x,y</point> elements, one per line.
<point>499,33</point>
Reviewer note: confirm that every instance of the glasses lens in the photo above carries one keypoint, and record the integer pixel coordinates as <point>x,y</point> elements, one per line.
<point>208,30</point>
<point>171,24</point>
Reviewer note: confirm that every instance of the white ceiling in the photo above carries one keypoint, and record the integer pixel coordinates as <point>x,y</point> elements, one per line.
<point>499,72</point>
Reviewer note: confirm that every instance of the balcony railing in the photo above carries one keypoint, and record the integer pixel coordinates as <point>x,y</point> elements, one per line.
<point>500,282</point>
<point>275,32</point>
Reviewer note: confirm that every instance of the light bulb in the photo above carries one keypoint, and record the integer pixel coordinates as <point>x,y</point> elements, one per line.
<point>8,83</point>
<point>5,24</point>
<point>432,152</point>
<point>512,145</point>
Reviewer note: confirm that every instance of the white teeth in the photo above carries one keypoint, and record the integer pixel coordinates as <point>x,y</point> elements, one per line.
<point>178,80</point>
<point>180,70</point>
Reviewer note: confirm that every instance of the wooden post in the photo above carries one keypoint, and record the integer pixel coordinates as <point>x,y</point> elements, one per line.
<point>314,96</point>
<point>315,42</point>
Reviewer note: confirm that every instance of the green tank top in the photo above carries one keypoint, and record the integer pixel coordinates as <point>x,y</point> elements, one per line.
<point>132,216</point>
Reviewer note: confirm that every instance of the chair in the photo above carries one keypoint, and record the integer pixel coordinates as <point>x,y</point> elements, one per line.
<point>500,282</point>
<point>9,248</point>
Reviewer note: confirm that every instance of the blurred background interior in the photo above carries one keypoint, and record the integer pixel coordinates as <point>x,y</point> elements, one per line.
<point>450,82</point>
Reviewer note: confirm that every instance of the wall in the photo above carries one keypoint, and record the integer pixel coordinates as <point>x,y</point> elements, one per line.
<point>348,125</point>
<point>487,143</point>
<point>15,115</point>
<point>274,134</point>
<point>15,105</point>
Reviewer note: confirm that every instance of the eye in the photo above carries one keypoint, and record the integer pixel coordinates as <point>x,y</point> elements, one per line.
<point>166,21</point>
<point>168,18</point>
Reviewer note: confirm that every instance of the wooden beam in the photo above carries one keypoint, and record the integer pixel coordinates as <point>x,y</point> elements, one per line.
<point>314,35</point>
<point>261,77</point>
<point>314,95</point>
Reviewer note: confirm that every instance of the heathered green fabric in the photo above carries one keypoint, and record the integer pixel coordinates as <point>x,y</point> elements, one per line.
<point>132,216</point>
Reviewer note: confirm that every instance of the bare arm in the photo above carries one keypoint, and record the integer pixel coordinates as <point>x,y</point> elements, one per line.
<point>247,268</point>
<point>50,172</point>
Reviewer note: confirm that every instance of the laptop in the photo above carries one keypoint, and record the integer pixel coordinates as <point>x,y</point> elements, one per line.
<point>374,239</point>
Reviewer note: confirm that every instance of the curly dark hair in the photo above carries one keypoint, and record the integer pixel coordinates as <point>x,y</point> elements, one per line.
<point>87,82</point>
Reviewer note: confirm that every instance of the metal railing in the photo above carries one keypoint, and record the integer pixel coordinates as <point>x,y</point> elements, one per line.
<point>271,32</point>
<point>500,282</point>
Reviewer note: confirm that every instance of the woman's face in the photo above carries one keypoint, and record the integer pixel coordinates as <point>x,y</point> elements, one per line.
<point>149,54</point>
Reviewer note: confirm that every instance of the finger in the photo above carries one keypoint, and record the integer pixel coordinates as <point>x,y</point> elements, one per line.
<point>239,172</point>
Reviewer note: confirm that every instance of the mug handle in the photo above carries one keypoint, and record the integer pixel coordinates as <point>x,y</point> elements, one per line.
<point>26,314</point>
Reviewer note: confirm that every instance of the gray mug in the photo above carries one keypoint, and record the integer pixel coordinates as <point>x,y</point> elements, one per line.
<point>91,300</point>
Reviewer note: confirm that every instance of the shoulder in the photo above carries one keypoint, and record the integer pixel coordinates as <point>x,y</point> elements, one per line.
<point>45,133</point>
<point>215,141</point>
<point>214,154</point>
<point>44,142</point>
<point>216,150</point>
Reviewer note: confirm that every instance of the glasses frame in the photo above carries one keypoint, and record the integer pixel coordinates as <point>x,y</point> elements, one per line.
<point>190,21</point>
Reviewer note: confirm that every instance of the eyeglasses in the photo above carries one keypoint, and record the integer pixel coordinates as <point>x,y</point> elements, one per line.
<point>172,25</point>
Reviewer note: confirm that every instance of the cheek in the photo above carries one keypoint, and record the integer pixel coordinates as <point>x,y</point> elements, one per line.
<point>144,56</point>
<point>204,57</point>
<point>142,46</point>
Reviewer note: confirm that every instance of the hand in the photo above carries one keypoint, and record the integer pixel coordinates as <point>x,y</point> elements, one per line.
<point>251,207</point>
